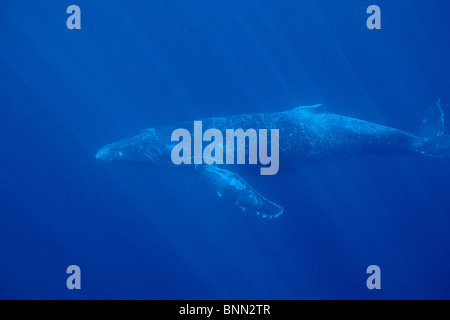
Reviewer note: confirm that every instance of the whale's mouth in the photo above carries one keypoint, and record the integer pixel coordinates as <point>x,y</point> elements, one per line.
<point>107,154</point>
<point>101,153</point>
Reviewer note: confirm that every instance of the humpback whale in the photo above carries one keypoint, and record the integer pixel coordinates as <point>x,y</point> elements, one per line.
<point>307,135</point>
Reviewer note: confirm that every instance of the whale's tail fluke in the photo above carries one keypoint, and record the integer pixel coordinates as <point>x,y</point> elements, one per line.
<point>433,122</point>
<point>438,146</point>
<point>433,142</point>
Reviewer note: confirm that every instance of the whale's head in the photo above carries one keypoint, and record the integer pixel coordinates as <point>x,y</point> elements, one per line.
<point>117,152</point>
<point>140,150</point>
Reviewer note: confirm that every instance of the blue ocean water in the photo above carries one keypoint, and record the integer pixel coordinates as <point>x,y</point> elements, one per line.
<point>141,233</point>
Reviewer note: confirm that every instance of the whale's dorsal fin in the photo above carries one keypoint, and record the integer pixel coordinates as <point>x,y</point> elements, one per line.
<point>230,185</point>
<point>317,108</point>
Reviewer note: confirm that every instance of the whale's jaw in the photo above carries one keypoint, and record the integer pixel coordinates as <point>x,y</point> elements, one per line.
<point>111,153</point>
<point>100,154</point>
<point>106,154</point>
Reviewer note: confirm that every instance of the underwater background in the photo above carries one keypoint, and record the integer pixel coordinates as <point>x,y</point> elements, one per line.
<point>140,233</point>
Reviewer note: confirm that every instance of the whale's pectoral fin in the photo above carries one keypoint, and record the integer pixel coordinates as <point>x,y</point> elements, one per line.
<point>230,185</point>
<point>433,122</point>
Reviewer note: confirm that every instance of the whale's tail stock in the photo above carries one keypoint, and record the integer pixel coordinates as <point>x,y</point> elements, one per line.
<point>433,142</point>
